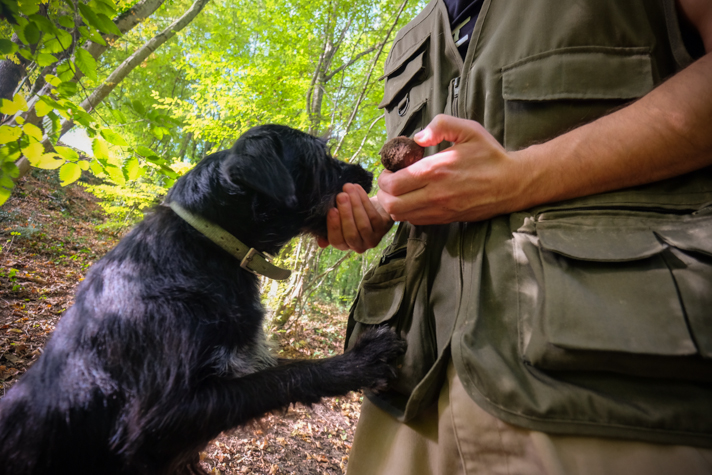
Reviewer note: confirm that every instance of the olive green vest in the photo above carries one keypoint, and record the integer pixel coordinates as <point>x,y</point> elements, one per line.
<point>591,316</point>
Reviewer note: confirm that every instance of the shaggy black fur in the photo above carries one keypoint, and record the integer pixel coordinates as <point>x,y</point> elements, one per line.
<point>164,348</point>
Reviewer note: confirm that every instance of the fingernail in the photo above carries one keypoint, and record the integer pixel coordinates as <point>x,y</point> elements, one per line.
<point>419,136</point>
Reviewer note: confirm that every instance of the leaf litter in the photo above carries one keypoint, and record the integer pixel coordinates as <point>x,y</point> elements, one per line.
<point>49,239</point>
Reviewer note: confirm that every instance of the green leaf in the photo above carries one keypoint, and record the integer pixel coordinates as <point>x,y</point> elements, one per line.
<point>116,175</point>
<point>52,125</point>
<point>48,161</point>
<point>157,132</point>
<point>90,16</point>
<point>53,80</point>
<point>66,21</point>
<point>67,89</point>
<point>33,152</point>
<point>83,164</point>
<point>42,108</point>
<point>32,33</point>
<point>11,169</point>
<point>12,107</point>
<point>4,195</point>
<point>108,8</point>
<point>44,24</point>
<point>7,46</point>
<point>10,152</point>
<point>67,153</point>
<point>62,41</point>
<point>45,59</point>
<point>100,149</point>
<point>69,173</point>
<point>138,107</point>
<point>29,7</point>
<point>9,133</point>
<point>118,115</point>
<point>132,168</point>
<point>82,118</point>
<point>96,167</point>
<point>168,172</point>
<point>108,26</point>
<point>19,28</point>
<point>98,20</point>
<point>86,63</point>
<point>6,181</point>
<point>26,53</point>
<point>146,152</point>
<point>113,138</point>
<point>33,131</point>
<point>92,35</point>
<point>65,71</point>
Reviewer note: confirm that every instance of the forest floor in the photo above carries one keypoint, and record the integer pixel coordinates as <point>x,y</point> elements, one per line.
<point>48,240</point>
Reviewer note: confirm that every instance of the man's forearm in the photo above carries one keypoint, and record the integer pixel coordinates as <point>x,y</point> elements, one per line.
<point>664,134</point>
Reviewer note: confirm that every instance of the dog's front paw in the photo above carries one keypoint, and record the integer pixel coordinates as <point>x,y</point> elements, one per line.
<point>374,356</point>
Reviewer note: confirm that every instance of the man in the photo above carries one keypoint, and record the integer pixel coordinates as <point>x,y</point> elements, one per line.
<point>554,279</point>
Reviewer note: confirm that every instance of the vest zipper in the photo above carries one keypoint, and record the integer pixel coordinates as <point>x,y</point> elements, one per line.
<point>455,95</point>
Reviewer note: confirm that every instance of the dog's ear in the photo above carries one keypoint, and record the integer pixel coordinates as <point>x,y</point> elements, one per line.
<point>255,163</point>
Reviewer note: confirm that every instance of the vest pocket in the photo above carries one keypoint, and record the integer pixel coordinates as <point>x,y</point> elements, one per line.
<point>550,93</point>
<point>387,297</point>
<point>620,291</point>
<point>406,90</point>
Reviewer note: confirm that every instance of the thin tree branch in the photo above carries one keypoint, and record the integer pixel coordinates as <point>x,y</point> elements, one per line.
<point>368,132</point>
<point>351,61</point>
<point>368,78</point>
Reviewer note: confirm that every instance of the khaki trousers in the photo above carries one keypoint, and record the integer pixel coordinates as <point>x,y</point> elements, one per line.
<point>456,437</point>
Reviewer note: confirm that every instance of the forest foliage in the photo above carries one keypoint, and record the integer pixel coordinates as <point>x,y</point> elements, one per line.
<point>136,92</point>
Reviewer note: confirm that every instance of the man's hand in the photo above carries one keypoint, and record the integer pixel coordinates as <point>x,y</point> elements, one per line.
<point>357,222</point>
<point>473,180</point>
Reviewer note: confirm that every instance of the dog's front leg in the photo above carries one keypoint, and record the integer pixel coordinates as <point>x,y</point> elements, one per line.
<point>367,365</point>
<point>219,404</point>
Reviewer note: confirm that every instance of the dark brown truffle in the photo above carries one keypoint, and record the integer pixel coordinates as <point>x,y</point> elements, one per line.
<point>399,153</point>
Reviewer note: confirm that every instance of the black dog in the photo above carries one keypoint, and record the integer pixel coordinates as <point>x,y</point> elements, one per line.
<point>164,348</point>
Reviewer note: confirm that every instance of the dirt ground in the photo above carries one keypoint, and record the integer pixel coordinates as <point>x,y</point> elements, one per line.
<point>48,240</point>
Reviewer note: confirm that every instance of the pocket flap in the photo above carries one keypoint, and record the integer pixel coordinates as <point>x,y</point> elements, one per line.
<point>381,294</point>
<point>692,235</point>
<point>396,84</point>
<point>594,241</point>
<point>404,55</point>
<point>580,73</point>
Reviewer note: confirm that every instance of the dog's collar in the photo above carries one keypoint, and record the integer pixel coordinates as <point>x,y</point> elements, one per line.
<point>250,258</point>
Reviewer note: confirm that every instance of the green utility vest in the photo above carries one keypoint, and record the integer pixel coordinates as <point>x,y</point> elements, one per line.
<point>591,316</point>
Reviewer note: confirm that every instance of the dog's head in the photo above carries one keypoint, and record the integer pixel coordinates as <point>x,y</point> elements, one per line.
<point>273,184</point>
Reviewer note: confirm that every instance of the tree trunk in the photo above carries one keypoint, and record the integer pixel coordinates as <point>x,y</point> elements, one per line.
<point>10,76</point>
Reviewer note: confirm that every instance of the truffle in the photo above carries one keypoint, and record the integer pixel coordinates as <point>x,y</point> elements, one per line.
<point>400,152</point>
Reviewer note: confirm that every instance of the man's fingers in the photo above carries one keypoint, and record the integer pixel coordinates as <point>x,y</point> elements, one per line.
<point>399,208</point>
<point>447,128</point>
<point>349,228</point>
<point>358,208</point>
<point>333,227</point>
